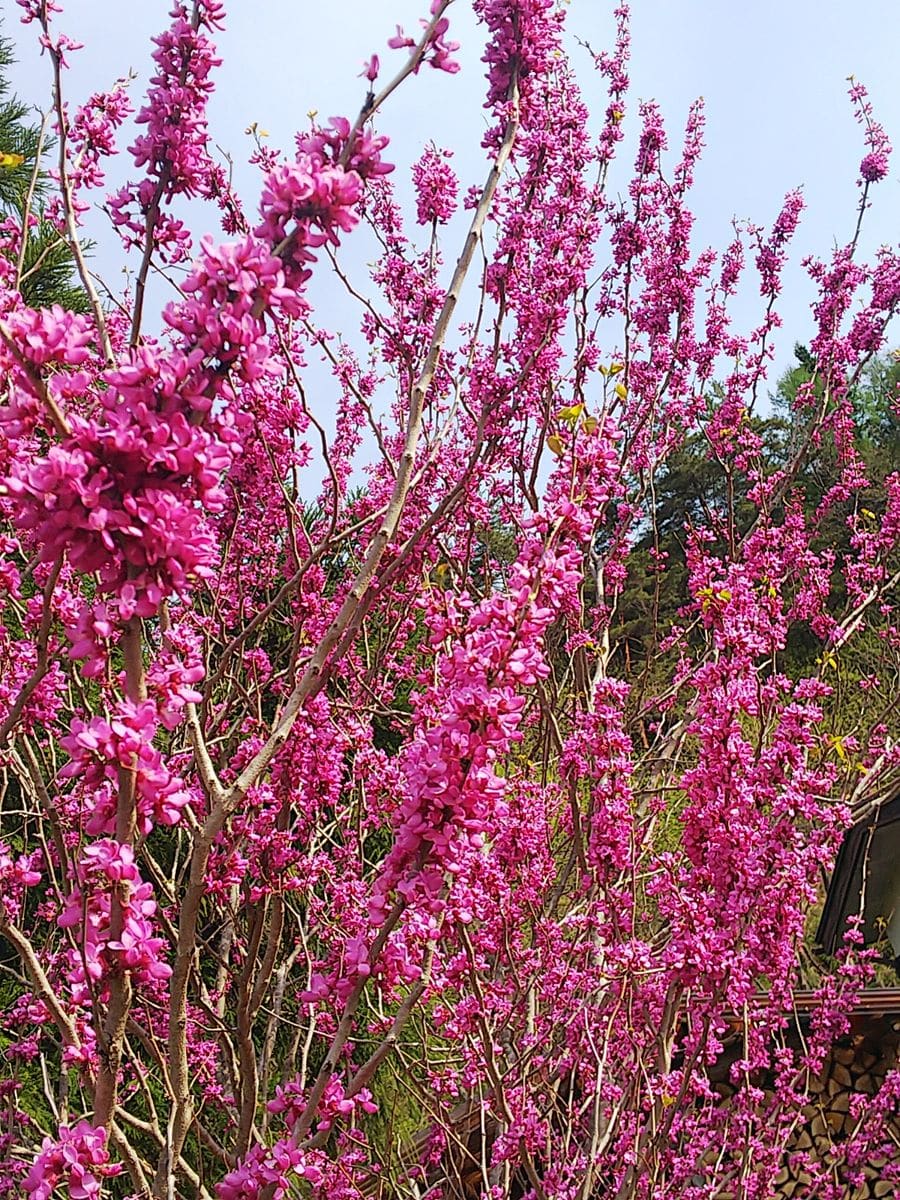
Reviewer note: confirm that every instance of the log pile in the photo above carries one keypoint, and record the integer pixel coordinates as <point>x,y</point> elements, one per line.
<point>859,1067</point>
<point>857,1063</point>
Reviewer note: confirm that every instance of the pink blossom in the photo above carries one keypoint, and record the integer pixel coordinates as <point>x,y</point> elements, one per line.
<point>78,1158</point>
<point>436,187</point>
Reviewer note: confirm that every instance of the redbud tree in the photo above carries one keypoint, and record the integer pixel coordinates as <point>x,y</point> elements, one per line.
<point>343,852</point>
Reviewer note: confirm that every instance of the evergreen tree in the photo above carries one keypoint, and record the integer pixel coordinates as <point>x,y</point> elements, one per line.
<point>692,485</point>
<point>48,268</point>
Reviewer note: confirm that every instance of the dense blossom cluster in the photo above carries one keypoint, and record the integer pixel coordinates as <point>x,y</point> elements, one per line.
<point>92,134</point>
<point>17,874</point>
<point>79,1159</point>
<point>390,835</point>
<point>315,199</point>
<point>524,37</point>
<point>173,149</point>
<point>436,187</point>
<point>453,793</point>
<point>99,749</point>
<point>106,867</point>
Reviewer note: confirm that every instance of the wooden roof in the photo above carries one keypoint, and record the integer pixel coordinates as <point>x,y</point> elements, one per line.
<point>866,881</point>
<point>874,1002</point>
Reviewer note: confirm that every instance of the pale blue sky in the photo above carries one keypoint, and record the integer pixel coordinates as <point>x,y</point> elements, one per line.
<point>773,75</point>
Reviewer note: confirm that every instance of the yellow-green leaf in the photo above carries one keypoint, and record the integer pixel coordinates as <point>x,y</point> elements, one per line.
<point>838,746</point>
<point>570,413</point>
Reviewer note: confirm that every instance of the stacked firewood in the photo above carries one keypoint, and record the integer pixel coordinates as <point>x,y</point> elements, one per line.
<point>856,1064</point>
<point>850,1068</point>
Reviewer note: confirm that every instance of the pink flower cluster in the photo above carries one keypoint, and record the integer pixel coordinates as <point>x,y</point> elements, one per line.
<point>92,134</point>
<point>874,165</point>
<point>99,750</point>
<point>173,151</point>
<point>17,874</point>
<point>78,1158</point>
<point>108,867</point>
<point>439,51</point>
<point>331,145</point>
<point>122,497</point>
<point>290,1102</point>
<point>306,204</point>
<point>524,36</point>
<point>353,968</point>
<point>266,1170</point>
<point>772,253</point>
<point>172,676</point>
<point>95,499</point>
<point>470,718</point>
<point>273,1172</point>
<point>436,187</point>
<point>230,287</point>
<point>49,336</point>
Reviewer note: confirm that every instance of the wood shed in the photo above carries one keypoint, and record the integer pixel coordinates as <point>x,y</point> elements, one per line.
<point>866,880</point>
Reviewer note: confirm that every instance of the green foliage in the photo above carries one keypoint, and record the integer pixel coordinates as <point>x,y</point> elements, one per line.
<point>693,485</point>
<point>47,268</point>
